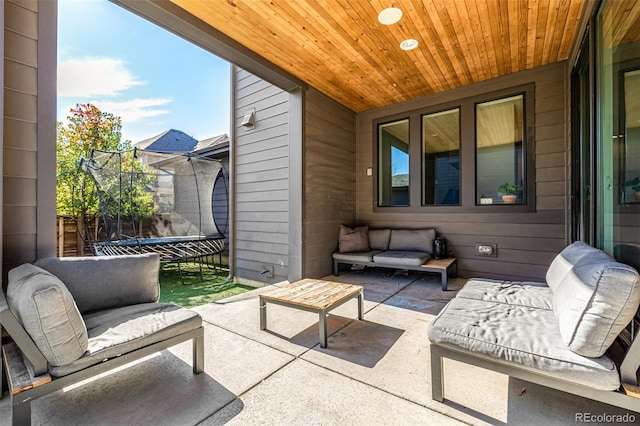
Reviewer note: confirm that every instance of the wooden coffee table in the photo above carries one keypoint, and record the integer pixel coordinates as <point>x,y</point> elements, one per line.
<point>314,296</point>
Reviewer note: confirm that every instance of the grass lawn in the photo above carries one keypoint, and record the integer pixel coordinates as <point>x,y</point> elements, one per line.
<point>195,292</point>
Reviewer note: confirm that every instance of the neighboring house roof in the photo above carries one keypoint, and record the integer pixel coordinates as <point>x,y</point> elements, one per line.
<point>212,146</point>
<point>171,140</point>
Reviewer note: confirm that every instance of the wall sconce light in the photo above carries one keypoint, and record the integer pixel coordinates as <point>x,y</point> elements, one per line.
<point>249,119</point>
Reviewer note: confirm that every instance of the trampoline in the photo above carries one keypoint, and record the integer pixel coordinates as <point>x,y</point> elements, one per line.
<point>157,202</point>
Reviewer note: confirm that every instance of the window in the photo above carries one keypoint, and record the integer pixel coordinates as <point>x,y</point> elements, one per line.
<point>441,158</point>
<point>499,152</point>
<point>629,137</point>
<point>472,154</point>
<point>393,164</point>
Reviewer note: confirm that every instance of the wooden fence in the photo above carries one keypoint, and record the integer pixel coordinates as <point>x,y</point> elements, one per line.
<point>71,232</point>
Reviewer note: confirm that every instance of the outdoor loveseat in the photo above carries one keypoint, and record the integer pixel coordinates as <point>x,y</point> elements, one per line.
<point>406,249</point>
<point>74,318</point>
<point>555,334</point>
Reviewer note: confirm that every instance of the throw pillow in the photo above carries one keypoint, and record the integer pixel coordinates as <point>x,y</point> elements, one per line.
<point>352,240</point>
<point>379,239</point>
<point>47,311</point>
<point>412,240</point>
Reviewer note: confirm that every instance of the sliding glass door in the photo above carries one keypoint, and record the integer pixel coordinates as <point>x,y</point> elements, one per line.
<point>618,125</point>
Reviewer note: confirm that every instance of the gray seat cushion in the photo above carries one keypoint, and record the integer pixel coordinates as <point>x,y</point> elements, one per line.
<point>356,257</point>
<point>119,331</point>
<point>521,335</point>
<point>525,294</point>
<point>47,311</point>
<point>115,281</point>
<point>401,258</point>
<point>412,240</point>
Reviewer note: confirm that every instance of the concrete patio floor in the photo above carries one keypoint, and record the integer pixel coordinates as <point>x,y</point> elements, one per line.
<point>374,371</point>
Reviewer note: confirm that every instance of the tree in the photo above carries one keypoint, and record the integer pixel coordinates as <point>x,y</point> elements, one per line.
<point>91,129</point>
<point>88,128</point>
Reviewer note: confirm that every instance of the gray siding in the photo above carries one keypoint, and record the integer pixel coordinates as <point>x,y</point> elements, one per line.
<point>28,148</point>
<point>330,179</point>
<point>527,242</point>
<point>261,180</point>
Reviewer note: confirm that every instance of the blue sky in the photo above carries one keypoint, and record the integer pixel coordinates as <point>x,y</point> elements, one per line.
<point>127,66</point>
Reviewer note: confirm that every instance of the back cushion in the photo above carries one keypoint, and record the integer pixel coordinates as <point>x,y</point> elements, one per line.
<point>46,310</point>
<point>564,262</point>
<point>106,282</point>
<point>594,302</point>
<point>412,240</point>
<point>352,240</point>
<point>379,239</point>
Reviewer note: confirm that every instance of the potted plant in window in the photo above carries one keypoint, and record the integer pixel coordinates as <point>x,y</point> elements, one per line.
<point>635,187</point>
<point>509,192</point>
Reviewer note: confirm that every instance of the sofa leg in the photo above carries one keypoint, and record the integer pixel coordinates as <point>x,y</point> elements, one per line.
<point>198,354</point>
<point>437,379</point>
<point>21,413</point>
<point>336,269</point>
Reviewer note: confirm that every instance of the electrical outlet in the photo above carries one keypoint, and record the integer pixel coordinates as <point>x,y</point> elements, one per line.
<point>486,249</point>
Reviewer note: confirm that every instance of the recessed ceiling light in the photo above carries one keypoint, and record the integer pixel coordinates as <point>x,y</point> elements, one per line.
<point>390,15</point>
<point>409,44</point>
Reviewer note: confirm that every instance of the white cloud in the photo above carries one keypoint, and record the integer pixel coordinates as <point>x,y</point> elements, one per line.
<point>94,76</point>
<point>135,109</point>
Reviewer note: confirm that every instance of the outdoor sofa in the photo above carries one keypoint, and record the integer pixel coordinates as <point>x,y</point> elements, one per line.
<point>74,318</point>
<point>406,249</point>
<point>556,334</point>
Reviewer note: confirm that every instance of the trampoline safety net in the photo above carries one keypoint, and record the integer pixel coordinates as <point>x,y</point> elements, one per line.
<point>155,202</point>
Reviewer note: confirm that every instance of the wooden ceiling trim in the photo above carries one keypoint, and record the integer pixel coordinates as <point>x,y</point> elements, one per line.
<point>540,23</point>
<point>487,44</point>
<point>550,28</point>
<point>424,64</point>
<point>461,17</point>
<point>426,26</point>
<point>379,38</point>
<point>560,21</point>
<point>374,77</point>
<point>532,17</point>
<point>627,32</point>
<point>367,44</point>
<point>521,41</point>
<point>429,50</point>
<point>251,26</point>
<point>445,26</point>
<point>513,11</point>
<point>572,21</point>
<point>493,16</point>
<point>338,46</point>
<point>634,30</point>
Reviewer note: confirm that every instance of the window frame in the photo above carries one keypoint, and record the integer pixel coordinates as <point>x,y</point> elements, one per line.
<point>377,157</point>
<point>467,123</point>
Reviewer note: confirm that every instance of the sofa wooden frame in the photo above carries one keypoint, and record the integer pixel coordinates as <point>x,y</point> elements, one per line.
<point>32,361</point>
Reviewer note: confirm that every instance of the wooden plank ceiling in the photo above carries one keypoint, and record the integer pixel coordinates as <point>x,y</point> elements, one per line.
<point>340,48</point>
